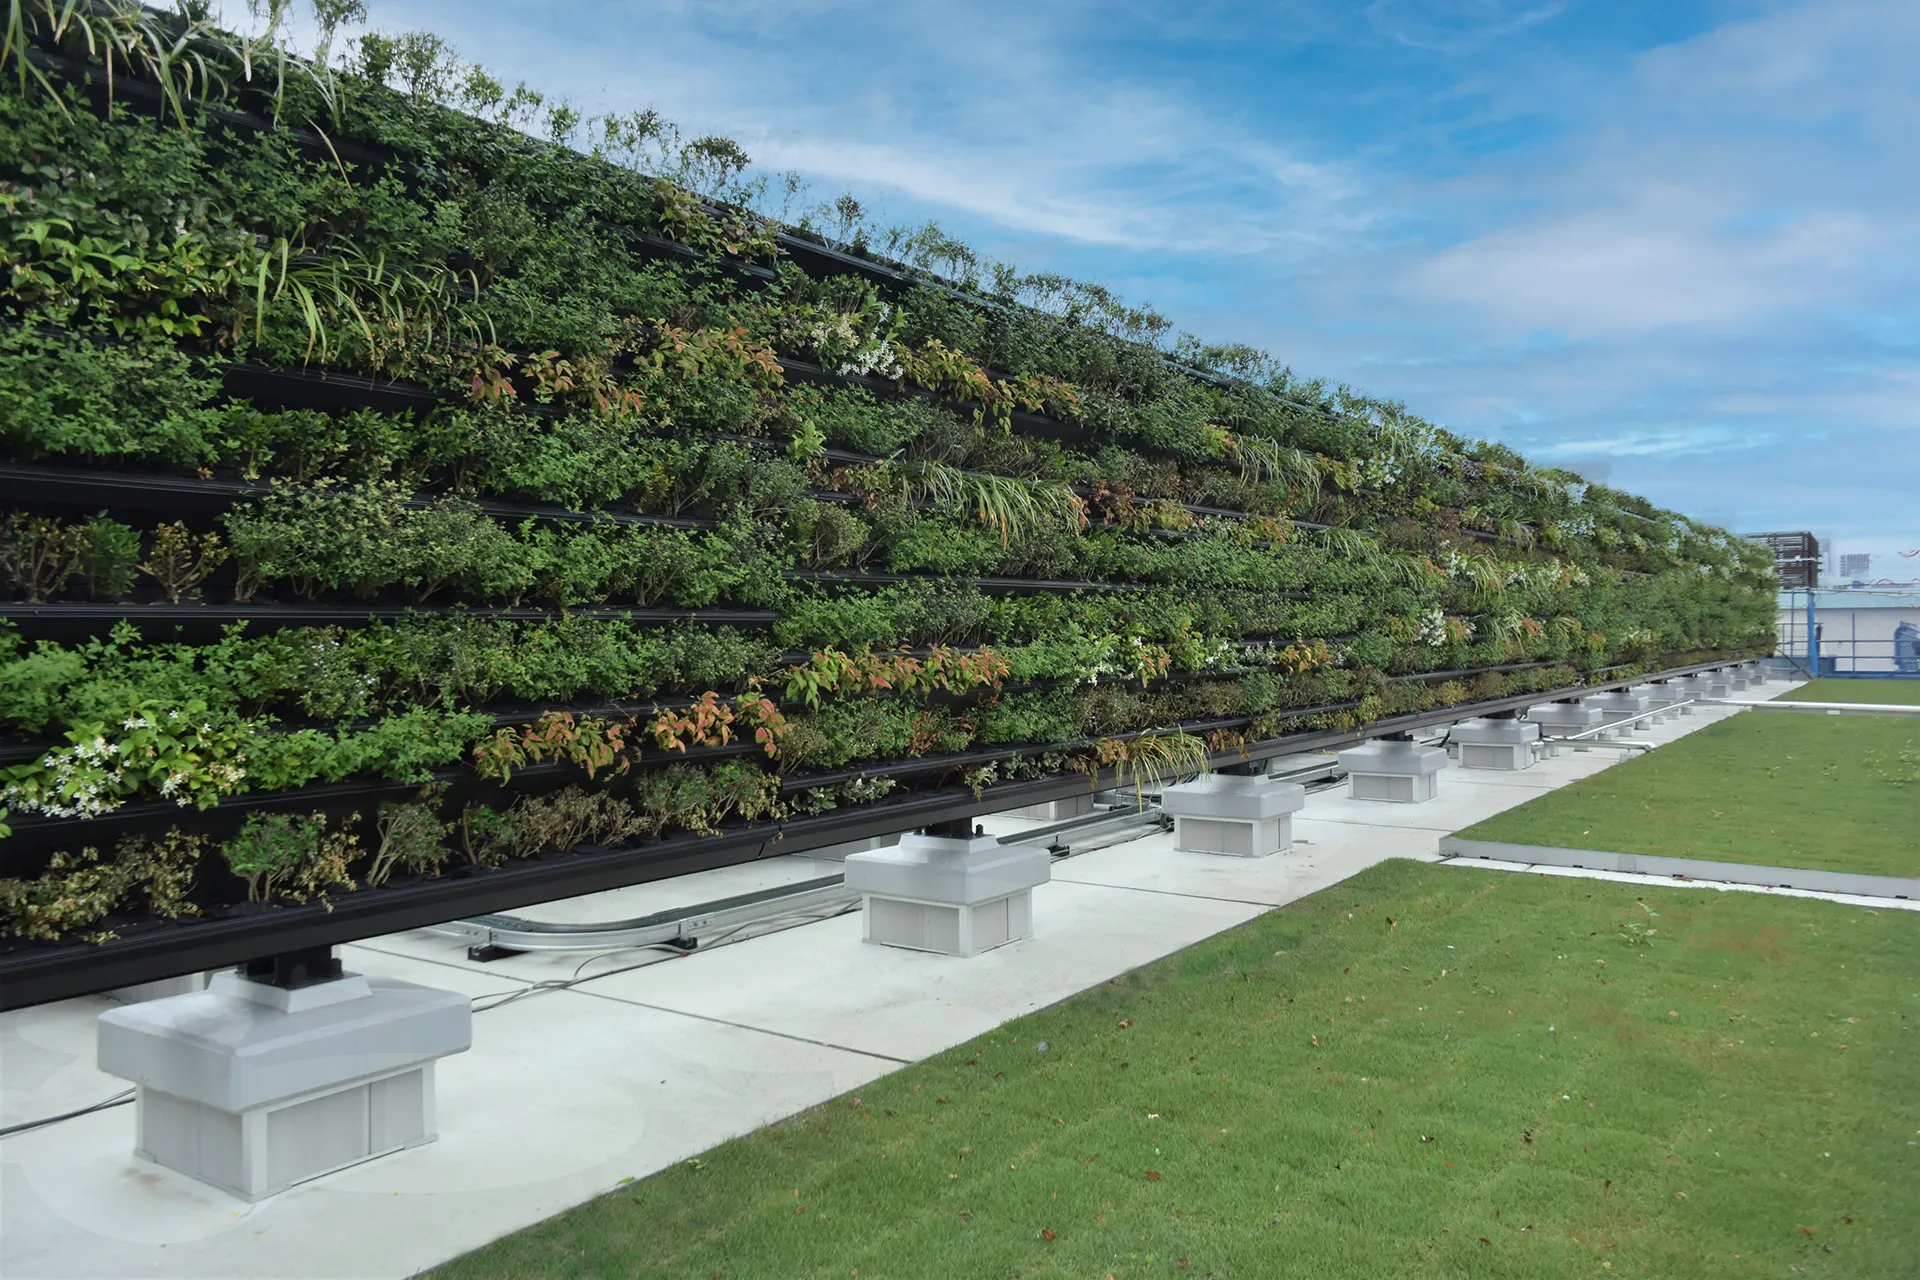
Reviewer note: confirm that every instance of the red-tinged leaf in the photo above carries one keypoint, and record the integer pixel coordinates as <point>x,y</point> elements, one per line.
<point>1047,1235</point>
<point>1484,1240</point>
<point>1807,1231</point>
<point>1152,1176</point>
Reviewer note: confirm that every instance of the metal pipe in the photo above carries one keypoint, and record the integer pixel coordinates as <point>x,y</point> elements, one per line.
<point>1821,708</point>
<point>1611,725</point>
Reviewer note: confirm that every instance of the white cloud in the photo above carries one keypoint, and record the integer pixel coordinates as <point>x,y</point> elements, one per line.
<point>1655,263</point>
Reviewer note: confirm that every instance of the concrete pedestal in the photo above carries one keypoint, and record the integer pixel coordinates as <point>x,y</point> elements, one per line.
<point>1233,814</point>
<point>1737,678</point>
<point>1716,684</point>
<point>253,1088</point>
<point>1662,699</point>
<point>1697,687</point>
<point>1495,744</point>
<point>1618,705</point>
<point>1559,720</point>
<point>1401,772</point>
<point>1055,810</point>
<point>954,896</point>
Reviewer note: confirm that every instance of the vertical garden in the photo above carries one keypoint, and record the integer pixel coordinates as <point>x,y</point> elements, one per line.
<point>421,498</point>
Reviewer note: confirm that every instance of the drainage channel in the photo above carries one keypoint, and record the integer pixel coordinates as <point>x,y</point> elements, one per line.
<point>493,937</point>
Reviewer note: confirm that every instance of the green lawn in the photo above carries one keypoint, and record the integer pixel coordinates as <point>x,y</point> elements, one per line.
<point>1425,1071</point>
<point>1904,693</point>
<point>1771,788</point>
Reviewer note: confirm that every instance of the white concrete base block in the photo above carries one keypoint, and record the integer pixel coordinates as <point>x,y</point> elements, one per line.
<point>954,896</point>
<point>1238,815</point>
<point>1055,810</point>
<point>1398,772</point>
<point>1660,699</point>
<point>1232,838</point>
<point>1616,708</point>
<point>951,930</point>
<point>1510,757</point>
<point>1558,719</point>
<point>1495,744</point>
<point>254,1088</point>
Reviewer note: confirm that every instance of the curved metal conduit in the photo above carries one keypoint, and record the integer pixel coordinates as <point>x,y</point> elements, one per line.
<point>493,937</point>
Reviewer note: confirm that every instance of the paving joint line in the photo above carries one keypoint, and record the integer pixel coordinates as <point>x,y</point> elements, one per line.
<point>741,1026</point>
<point>1169,893</point>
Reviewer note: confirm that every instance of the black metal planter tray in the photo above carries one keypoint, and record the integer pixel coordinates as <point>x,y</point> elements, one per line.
<point>132,91</point>
<point>190,495</point>
<point>270,387</point>
<point>989,585</point>
<point>70,621</point>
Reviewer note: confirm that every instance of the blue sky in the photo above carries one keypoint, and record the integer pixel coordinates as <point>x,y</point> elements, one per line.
<point>1673,243</point>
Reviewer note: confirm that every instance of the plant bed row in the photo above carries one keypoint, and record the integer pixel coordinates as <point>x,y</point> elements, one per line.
<point>152,948</point>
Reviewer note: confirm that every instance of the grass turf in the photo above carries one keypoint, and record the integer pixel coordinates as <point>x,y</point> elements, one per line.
<point>1769,788</point>
<point>1900,693</point>
<point>1425,1071</point>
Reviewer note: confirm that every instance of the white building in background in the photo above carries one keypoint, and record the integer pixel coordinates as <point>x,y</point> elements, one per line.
<point>1861,629</point>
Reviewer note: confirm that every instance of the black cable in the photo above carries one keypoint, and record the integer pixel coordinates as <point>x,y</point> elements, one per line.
<point>120,1099</point>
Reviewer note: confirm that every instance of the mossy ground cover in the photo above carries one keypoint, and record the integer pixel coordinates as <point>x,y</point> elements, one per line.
<point>1425,1071</point>
<point>1903,693</point>
<point>1770,789</point>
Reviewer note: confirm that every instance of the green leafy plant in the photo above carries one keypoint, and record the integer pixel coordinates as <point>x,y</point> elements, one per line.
<point>412,842</point>
<point>179,561</point>
<point>590,743</point>
<point>1152,761</point>
<point>292,856</point>
<point>110,562</point>
<point>184,754</point>
<point>77,889</point>
<point>1640,932</point>
<point>39,555</point>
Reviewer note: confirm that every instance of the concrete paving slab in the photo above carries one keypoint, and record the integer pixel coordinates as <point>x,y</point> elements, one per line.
<point>46,1060</point>
<point>1323,854</point>
<point>823,982</point>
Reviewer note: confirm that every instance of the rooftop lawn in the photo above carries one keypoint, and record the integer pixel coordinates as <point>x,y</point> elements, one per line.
<point>1904,693</point>
<point>1425,1071</point>
<point>1768,788</point>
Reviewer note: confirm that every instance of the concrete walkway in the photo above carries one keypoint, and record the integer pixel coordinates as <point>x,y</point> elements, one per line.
<point>650,1059</point>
